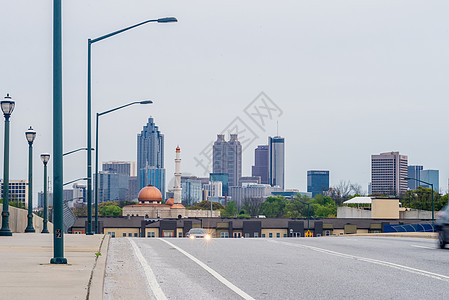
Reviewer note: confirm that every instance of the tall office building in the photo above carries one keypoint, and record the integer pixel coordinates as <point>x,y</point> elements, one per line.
<point>112,186</point>
<point>388,171</point>
<point>120,167</point>
<point>150,156</point>
<point>433,177</point>
<point>191,190</point>
<point>277,161</point>
<point>153,176</point>
<point>414,172</point>
<point>18,191</point>
<point>223,178</point>
<point>261,163</point>
<point>317,182</point>
<point>227,158</point>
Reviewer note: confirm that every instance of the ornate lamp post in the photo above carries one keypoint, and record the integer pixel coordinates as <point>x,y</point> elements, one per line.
<point>7,106</point>
<point>45,157</point>
<point>30,134</point>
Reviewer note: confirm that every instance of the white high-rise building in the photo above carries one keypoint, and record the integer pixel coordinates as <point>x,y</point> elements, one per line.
<point>388,171</point>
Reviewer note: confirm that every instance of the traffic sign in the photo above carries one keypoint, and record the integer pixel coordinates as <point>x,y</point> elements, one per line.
<point>309,233</point>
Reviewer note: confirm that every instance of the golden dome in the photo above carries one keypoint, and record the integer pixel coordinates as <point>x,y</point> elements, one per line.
<point>149,194</point>
<point>170,201</point>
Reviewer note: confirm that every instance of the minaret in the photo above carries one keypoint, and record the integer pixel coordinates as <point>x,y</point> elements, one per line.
<point>177,188</point>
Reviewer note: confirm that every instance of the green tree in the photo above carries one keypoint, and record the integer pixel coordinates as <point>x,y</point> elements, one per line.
<point>79,211</point>
<point>230,210</point>
<point>274,207</point>
<point>111,211</point>
<point>421,198</point>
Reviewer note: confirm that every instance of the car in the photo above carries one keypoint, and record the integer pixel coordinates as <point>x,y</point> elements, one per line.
<point>198,233</point>
<point>442,226</point>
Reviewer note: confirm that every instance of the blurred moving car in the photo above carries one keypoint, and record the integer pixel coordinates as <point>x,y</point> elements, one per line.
<point>198,233</point>
<point>442,226</point>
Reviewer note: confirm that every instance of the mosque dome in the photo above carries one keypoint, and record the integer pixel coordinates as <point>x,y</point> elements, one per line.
<point>150,194</point>
<point>170,201</point>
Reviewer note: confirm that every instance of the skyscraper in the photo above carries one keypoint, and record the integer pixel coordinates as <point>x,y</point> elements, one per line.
<point>414,172</point>
<point>120,167</point>
<point>277,161</point>
<point>150,156</point>
<point>388,171</point>
<point>431,176</point>
<point>227,158</point>
<point>317,182</point>
<point>261,163</point>
<point>112,186</point>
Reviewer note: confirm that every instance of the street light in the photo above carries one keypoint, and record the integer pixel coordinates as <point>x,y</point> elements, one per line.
<point>30,135</point>
<point>431,184</point>
<point>96,152</point>
<point>89,110</point>
<point>7,106</point>
<point>45,157</point>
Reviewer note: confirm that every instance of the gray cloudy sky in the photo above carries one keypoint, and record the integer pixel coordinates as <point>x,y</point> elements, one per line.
<point>353,78</point>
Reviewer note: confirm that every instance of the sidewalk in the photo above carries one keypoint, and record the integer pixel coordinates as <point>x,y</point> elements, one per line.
<point>26,272</point>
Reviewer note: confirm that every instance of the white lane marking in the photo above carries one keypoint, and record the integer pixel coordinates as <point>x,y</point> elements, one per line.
<point>424,247</point>
<point>370,260</point>
<point>212,272</point>
<point>151,278</point>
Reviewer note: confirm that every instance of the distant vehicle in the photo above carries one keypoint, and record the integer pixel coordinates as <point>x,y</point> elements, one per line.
<point>198,233</point>
<point>442,226</point>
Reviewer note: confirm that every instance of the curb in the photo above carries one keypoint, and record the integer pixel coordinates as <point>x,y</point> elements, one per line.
<point>96,284</point>
<point>403,235</point>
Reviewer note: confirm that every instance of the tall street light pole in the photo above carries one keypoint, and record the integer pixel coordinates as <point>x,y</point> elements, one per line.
<point>45,157</point>
<point>30,135</point>
<point>58,229</point>
<point>96,152</point>
<point>431,184</point>
<point>7,106</point>
<point>89,110</point>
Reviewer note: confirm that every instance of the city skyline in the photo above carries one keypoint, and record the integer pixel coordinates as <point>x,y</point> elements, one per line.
<point>333,88</point>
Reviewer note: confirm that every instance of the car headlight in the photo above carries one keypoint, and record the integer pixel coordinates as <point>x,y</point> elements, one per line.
<point>207,236</point>
<point>192,237</point>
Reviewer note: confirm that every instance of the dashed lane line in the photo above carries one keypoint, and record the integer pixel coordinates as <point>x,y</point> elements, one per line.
<point>151,278</point>
<point>370,260</point>
<point>424,247</point>
<point>212,272</point>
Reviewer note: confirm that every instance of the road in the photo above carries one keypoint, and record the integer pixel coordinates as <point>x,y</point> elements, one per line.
<point>285,268</point>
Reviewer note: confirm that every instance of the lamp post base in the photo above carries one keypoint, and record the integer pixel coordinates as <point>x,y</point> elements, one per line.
<point>45,231</point>
<point>30,229</point>
<point>5,232</point>
<point>58,260</point>
<point>89,233</point>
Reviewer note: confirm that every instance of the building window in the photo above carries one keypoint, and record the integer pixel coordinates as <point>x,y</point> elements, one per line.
<point>113,234</point>
<point>151,234</point>
<point>224,234</point>
<point>180,234</point>
<point>263,235</point>
<point>246,235</point>
<point>278,235</point>
<point>327,232</point>
<point>256,234</point>
<point>135,234</point>
<point>124,234</point>
<point>285,235</point>
<point>270,235</point>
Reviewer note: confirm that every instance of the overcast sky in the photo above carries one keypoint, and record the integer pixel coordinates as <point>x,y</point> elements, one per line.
<point>350,79</point>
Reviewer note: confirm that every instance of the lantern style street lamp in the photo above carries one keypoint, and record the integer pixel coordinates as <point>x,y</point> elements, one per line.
<point>7,106</point>
<point>45,157</point>
<point>30,135</point>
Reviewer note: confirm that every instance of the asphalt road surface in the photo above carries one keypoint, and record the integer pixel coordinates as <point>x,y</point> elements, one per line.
<point>283,268</point>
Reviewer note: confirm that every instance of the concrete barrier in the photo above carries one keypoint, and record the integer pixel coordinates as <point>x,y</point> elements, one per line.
<point>18,221</point>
